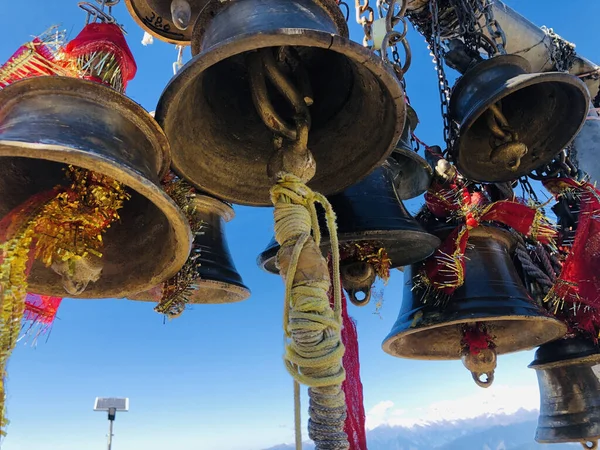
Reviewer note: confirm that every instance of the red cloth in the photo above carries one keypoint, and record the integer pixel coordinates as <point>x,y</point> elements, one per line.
<point>352,386</point>
<point>579,282</point>
<point>41,309</point>
<point>106,37</point>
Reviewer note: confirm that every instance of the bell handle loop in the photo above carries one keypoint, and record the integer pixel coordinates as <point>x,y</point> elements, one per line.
<point>591,445</point>
<point>483,384</point>
<point>358,302</point>
<point>261,101</point>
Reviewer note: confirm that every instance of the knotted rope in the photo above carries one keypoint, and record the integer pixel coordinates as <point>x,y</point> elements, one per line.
<point>314,349</point>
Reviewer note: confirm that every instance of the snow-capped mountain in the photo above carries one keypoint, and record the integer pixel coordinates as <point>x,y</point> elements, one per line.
<point>492,432</point>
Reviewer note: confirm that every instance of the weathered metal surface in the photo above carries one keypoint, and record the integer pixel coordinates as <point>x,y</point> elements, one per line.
<point>47,123</point>
<point>154,17</point>
<point>586,146</point>
<point>545,110</point>
<point>219,142</point>
<point>414,172</point>
<point>568,373</point>
<point>492,293</point>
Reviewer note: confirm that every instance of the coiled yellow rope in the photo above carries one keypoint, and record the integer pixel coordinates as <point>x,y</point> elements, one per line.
<point>314,349</point>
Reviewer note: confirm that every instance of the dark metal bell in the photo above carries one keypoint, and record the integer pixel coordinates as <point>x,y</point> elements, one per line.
<point>371,211</point>
<point>221,145</point>
<point>492,293</point>
<point>47,123</point>
<point>568,373</point>
<point>415,173</point>
<point>167,20</point>
<point>217,280</point>
<point>542,113</point>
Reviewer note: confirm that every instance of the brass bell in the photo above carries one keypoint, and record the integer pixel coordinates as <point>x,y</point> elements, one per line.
<point>370,211</point>
<point>217,280</point>
<point>168,20</point>
<point>47,123</point>
<point>492,294</point>
<point>220,143</point>
<point>513,121</point>
<point>415,174</point>
<point>568,376</point>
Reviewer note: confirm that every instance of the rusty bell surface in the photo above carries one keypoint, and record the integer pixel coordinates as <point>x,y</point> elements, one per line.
<point>513,121</point>
<point>370,211</point>
<point>414,172</point>
<point>219,141</point>
<point>218,280</point>
<point>492,293</point>
<point>568,372</point>
<point>47,123</point>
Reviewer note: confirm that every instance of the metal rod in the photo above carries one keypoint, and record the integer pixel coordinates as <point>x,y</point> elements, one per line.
<point>110,433</point>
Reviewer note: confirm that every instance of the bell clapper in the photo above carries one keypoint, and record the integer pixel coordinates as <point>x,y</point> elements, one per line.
<point>509,150</point>
<point>481,363</point>
<point>77,273</point>
<point>181,14</point>
<point>358,278</point>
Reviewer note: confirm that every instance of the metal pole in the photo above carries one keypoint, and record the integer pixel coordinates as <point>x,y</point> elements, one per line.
<point>112,412</point>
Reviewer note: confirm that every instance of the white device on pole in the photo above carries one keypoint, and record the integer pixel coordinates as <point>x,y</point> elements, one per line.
<point>111,405</point>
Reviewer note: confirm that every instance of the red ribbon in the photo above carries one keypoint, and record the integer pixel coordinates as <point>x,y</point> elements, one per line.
<point>578,284</point>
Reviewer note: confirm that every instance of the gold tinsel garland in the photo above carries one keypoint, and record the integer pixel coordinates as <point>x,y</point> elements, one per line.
<point>177,290</point>
<point>67,227</point>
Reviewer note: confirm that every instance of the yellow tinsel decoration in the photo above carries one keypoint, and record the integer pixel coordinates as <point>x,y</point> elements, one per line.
<point>66,227</point>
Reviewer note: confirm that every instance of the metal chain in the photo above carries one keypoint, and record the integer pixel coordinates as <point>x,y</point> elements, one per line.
<point>365,16</point>
<point>393,37</point>
<point>493,27</point>
<point>563,52</point>
<point>435,45</point>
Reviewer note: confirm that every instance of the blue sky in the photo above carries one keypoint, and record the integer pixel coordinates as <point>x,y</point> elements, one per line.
<point>214,378</point>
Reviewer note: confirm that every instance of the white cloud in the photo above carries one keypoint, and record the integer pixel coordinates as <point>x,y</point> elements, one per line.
<point>496,400</point>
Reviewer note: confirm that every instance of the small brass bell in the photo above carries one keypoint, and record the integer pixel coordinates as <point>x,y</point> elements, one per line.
<point>513,121</point>
<point>370,211</point>
<point>568,373</point>
<point>492,294</point>
<point>168,20</point>
<point>48,123</point>
<point>414,173</point>
<point>217,280</point>
<point>221,144</point>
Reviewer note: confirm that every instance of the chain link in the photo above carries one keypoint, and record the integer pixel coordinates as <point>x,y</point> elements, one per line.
<point>435,45</point>
<point>365,16</point>
<point>493,27</point>
<point>563,52</point>
<point>387,12</point>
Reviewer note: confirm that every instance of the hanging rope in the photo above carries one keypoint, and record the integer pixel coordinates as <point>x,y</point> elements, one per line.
<point>314,351</point>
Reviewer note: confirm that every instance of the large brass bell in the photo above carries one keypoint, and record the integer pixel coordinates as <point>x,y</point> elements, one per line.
<point>568,373</point>
<point>492,293</point>
<point>47,123</point>
<point>168,20</point>
<point>220,143</point>
<point>370,211</point>
<point>414,172</point>
<point>513,121</point>
<point>217,279</point>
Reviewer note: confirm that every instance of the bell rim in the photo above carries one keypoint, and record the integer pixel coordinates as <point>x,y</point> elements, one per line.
<point>207,203</point>
<point>237,291</point>
<point>132,180</point>
<point>582,360</point>
<point>515,84</point>
<point>267,258</point>
<point>393,337</point>
<point>309,38</point>
<point>212,9</point>
<point>140,23</point>
<point>109,97</point>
